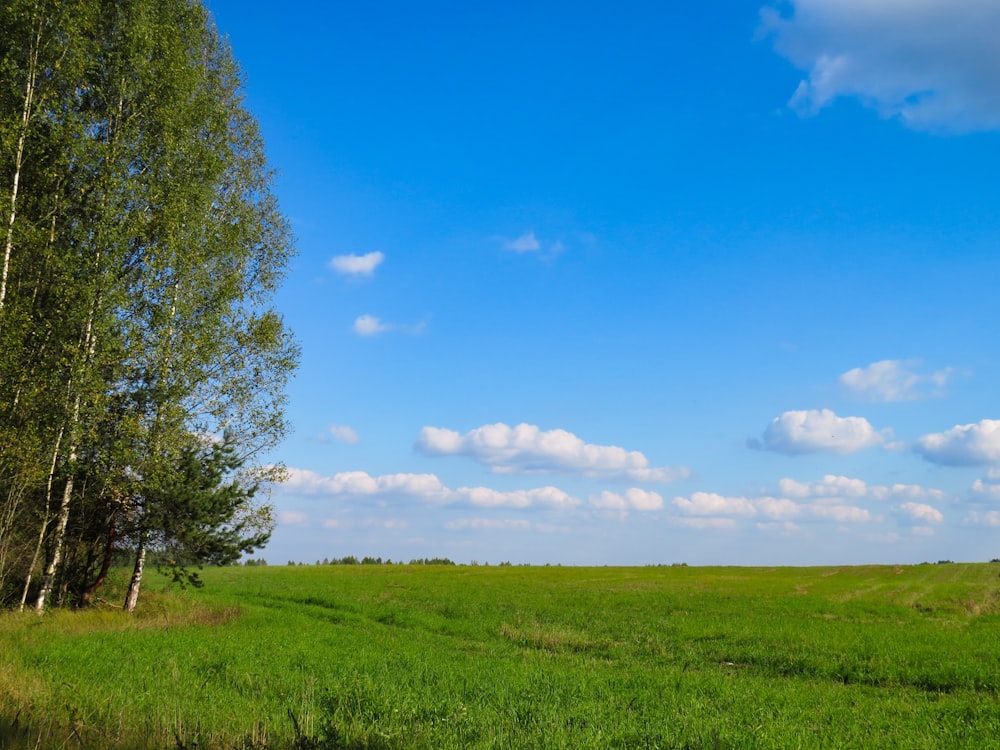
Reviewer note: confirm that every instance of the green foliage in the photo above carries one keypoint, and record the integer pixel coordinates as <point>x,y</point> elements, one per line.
<point>520,657</point>
<point>203,515</point>
<point>140,248</point>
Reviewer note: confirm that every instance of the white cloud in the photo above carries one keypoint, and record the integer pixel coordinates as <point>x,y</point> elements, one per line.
<point>344,434</point>
<point>370,325</point>
<point>829,486</point>
<point>989,518</point>
<point>421,487</point>
<point>963,445</point>
<point>893,380</point>
<point>526,243</point>
<point>711,504</point>
<point>931,63</point>
<point>357,265</point>
<point>362,484</point>
<point>922,512</point>
<point>487,524</point>
<point>777,509</point>
<point>631,499</point>
<point>817,431</point>
<point>840,487</point>
<point>484,497</point>
<point>989,490</point>
<point>528,449</point>
<point>841,513</point>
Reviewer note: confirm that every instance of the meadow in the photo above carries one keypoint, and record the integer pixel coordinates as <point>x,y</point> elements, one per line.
<point>413,656</point>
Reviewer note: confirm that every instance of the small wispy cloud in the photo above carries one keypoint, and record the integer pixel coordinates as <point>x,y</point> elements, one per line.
<point>372,325</point>
<point>526,243</point>
<point>487,524</point>
<point>369,325</point>
<point>292,517</point>
<point>344,434</point>
<point>356,265</point>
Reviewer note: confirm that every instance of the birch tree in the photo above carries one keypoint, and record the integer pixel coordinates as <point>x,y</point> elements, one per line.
<point>145,291</point>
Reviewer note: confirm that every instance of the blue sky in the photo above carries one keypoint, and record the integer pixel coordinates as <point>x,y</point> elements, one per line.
<point>650,284</point>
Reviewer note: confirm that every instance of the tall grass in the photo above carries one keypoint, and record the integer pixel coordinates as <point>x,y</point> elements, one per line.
<point>513,657</point>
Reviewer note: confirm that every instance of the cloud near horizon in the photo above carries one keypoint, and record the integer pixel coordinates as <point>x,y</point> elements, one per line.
<point>354,485</point>
<point>931,63</point>
<point>356,265</point>
<point>526,449</point>
<point>834,488</point>
<point>710,504</point>
<point>631,499</point>
<point>817,431</point>
<point>893,380</point>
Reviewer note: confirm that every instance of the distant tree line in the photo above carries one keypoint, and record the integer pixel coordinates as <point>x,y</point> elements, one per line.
<point>352,560</point>
<point>142,364</point>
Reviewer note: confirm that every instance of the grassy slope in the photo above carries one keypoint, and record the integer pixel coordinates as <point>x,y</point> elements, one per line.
<point>407,656</point>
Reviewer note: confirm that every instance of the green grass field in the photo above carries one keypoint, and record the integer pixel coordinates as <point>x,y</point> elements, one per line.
<point>517,657</point>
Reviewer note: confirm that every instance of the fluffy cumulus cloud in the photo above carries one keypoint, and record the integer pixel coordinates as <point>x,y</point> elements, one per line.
<point>711,504</point>
<point>831,499</point>
<point>357,265</point>
<point>485,497</point>
<point>817,431</point>
<point>893,380</point>
<point>832,487</point>
<point>963,445</point>
<point>362,484</point>
<point>631,499</point>
<point>931,63</point>
<point>420,487</point>
<point>527,449</point>
<point>921,513</point>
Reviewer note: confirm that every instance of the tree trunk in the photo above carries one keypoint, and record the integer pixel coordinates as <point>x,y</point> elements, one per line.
<point>45,521</point>
<point>133,587</point>
<point>109,553</point>
<point>29,95</point>
<point>60,536</point>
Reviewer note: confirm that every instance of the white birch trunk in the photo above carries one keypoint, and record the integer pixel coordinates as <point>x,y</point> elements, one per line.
<point>133,587</point>
<point>29,95</point>
<point>45,521</point>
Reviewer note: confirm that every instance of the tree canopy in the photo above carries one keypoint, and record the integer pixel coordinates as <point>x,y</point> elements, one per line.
<point>142,361</point>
